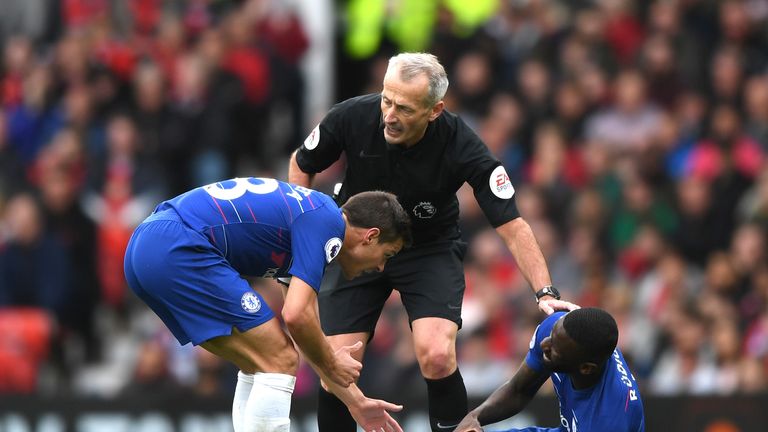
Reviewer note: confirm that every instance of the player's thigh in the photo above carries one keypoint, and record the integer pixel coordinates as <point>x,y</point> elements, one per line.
<point>431,280</point>
<point>265,348</point>
<point>189,285</point>
<point>351,306</point>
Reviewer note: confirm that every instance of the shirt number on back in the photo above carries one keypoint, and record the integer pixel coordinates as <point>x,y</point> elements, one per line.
<point>235,188</point>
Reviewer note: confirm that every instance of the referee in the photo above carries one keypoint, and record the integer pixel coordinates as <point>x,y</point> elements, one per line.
<point>403,141</point>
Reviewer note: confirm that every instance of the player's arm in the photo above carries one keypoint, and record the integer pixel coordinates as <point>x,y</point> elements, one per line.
<point>300,313</point>
<point>519,238</point>
<point>296,175</point>
<point>506,401</point>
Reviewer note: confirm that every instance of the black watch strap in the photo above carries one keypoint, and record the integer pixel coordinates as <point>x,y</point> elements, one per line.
<point>548,290</point>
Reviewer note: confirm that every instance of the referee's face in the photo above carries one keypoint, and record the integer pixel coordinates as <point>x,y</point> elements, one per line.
<point>404,110</point>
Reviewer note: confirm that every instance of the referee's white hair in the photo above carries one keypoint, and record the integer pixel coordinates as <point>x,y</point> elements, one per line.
<point>413,64</point>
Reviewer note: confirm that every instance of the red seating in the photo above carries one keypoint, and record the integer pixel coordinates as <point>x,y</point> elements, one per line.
<point>25,335</point>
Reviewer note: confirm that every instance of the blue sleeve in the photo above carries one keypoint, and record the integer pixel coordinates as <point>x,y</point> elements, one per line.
<point>316,239</point>
<point>534,357</point>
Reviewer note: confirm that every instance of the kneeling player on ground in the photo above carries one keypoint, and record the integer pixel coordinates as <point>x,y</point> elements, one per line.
<point>596,390</point>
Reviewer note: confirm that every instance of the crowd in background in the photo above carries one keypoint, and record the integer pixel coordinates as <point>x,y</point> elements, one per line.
<point>635,133</point>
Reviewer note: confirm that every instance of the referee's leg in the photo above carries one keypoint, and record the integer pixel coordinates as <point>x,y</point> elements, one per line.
<point>332,414</point>
<point>435,345</point>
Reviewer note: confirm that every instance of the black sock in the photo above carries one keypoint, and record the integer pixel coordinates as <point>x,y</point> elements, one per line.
<point>447,402</point>
<point>332,414</point>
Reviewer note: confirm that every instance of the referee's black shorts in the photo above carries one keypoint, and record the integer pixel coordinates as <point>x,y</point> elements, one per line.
<point>429,277</point>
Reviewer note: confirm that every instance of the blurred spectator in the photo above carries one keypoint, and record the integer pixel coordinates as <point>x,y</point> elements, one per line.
<point>212,374</point>
<point>630,122</point>
<point>699,233</point>
<point>11,169</point>
<point>726,346</point>
<point>248,60</point>
<point>640,206</point>
<point>35,269</point>
<point>32,18</point>
<point>687,365</point>
<point>534,87</point>
<point>17,61</point>
<point>623,29</point>
<point>478,367</point>
<point>554,170</point>
<point>670,282</point>
<point>67,221</point>
<point>474,86</point>
<point>756,108</point>
<point>284,36</point>
<point>754,205</point>
<point>665,20</point>
<point>122,190</point>
<point>500,130</point>
<point>727,151</point>
<point>151,375</point>
<point>571,110</point>
<point>726,74</point>
<point>739,29</point>
<point>223,98</point>
<point>659,64</point>
<point>34,121</point>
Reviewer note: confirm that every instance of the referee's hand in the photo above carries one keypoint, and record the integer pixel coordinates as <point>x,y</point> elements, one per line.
<point>549,305</point>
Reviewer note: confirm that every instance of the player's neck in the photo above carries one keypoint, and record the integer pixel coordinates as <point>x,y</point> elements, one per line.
<point>583,382</point>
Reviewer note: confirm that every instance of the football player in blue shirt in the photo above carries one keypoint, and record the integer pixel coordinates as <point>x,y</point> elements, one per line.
<point>186,260</point>
<point>594,386</point>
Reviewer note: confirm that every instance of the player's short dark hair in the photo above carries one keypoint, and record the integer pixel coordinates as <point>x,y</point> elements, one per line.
<point>594,330</point>
<point>377,209</point>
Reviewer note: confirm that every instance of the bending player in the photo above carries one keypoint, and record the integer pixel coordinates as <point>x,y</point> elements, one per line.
<point>596,390</point>
<point>186,260</point>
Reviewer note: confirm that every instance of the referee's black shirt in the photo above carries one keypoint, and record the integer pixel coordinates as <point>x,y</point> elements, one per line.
<point>425,177</point>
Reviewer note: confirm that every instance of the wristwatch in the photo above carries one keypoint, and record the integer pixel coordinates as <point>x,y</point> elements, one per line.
<point>548,290</point>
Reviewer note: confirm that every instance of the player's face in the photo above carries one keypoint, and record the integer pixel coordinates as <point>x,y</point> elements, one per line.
<point>560,352</point>
<point>404,110</point>
<point>367,257</point>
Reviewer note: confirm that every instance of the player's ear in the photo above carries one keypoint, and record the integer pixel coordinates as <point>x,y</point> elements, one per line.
<point>371,235</point>
<point>588,368</point>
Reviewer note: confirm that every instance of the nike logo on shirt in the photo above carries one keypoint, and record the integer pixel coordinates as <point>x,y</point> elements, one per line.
<point>365,155</point>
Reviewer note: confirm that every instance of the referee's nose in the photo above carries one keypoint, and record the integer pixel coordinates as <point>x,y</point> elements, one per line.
<point>389,115</point>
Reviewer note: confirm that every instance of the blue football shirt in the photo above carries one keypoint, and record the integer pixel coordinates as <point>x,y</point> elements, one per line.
<point>613,404</point>
<point>265,227</point>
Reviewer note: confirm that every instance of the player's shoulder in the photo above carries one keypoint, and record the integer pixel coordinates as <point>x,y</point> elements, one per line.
<point>545,327</point>
<point>354,114</point>
<point>453,130</point>
<point>358,104</point>
<point>550,320</point>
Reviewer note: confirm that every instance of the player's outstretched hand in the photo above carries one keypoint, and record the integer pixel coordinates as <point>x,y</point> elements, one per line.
<point>373,415</point>
<point>469,424</point>
<point>548,305</point>
<point>347,368</point>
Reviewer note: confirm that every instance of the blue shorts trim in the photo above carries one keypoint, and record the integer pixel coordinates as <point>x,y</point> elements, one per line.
<point>188,283</point>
